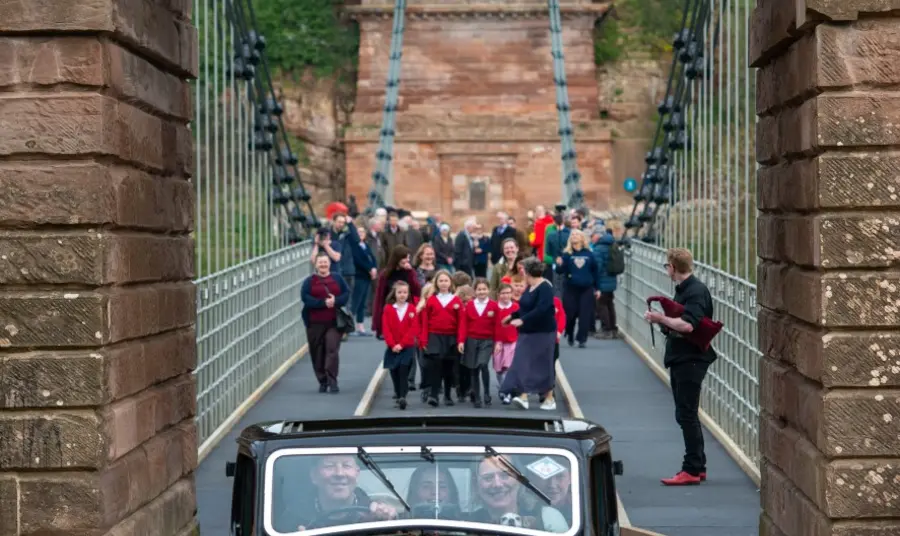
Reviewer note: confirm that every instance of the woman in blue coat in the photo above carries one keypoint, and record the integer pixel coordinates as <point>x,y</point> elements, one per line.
<point>579,270</point>
<point>606,308</point>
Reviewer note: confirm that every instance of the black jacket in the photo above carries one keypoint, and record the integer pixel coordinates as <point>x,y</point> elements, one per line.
<point>463,253</point>
<point>697,302</point>
<point>497,238</point>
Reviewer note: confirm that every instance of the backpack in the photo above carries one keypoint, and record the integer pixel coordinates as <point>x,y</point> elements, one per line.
<point>616,263</point>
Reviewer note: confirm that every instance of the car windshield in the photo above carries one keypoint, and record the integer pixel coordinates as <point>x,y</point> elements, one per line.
<point>462,489</point>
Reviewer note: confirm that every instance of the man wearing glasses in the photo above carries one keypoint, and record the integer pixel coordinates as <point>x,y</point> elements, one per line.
<point>687,362</point>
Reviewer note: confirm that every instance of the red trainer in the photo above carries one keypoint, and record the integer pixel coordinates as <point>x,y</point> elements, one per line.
<point>682,479</point>
<point>703,476</point>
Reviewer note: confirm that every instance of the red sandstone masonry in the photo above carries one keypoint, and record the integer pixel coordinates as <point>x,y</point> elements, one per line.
<point>826,138</point>
<point>97,258</point>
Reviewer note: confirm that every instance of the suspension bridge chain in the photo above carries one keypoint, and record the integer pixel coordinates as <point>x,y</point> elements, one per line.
<point>573,196</point>
<point>288,196</point>
<point>384,156</point>
<point>697,192</point>
<point>253,214</point>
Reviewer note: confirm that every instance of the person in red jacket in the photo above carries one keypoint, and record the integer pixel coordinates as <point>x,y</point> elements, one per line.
<point>560,324</point>
<point>541,221</point>
<point>479,327</point>
<point>400,327</point>
<point>440,331</point>
<point>505,344</point>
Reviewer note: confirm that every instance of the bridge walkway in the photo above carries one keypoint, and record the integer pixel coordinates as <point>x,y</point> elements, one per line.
<point>607,382</point>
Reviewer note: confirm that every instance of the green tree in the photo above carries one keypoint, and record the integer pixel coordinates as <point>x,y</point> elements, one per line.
<point>637,26</point>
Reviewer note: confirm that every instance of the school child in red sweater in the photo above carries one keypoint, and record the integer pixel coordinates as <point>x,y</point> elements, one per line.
<point>560,325</point>
<point>505,345</point>
<point>479,328</point>
<point>465,293</point>
<point>517,282</point>
<point>400,327</point>
<point>440,330</point>
<point>427,291</point>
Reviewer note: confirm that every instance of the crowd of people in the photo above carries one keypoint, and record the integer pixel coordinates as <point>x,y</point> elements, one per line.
<point>454,307</point>
<point>451,307</point>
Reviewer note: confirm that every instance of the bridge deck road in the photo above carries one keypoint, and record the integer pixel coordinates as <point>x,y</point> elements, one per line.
<point>615,388</point>
<point>295,395</point>
<point>611,385</point>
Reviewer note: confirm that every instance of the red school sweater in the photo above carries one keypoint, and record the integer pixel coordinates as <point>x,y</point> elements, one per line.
<point>560,317</point>
<point>396,330</point>
<point>507,333</point>
<point>479,326</point>
<point>439,320</point>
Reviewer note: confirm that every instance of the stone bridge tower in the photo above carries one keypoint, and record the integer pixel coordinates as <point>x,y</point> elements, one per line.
<point>477,124</point>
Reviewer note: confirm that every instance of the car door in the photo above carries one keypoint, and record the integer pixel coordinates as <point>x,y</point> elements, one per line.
<point>243,497</point>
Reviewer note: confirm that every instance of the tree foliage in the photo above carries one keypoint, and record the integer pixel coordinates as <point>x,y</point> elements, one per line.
<point>637,25</point>
<point>305,34</point>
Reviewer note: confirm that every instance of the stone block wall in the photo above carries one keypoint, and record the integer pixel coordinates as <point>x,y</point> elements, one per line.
<point>97,307</point>
<point>829,290</point>
<point>477,126</point>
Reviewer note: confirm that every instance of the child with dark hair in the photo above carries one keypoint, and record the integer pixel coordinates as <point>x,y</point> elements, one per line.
<point>400,327</point>
<point>505,345</point>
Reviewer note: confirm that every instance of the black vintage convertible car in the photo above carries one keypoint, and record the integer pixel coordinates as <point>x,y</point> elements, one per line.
<point>425,474</point>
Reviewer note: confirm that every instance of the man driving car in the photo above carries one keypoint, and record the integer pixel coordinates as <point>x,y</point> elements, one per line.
<point>336,498</point>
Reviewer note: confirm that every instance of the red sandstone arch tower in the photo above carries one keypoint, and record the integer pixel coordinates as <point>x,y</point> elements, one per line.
<point>477,127</point>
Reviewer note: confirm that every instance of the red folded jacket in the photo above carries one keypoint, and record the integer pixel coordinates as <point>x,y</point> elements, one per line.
<point>702,335</point>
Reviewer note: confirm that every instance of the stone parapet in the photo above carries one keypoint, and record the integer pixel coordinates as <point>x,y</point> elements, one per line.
<point>492,129</point>
<point>97,304</point>
<point>829,251</point>
<point>484,9</point>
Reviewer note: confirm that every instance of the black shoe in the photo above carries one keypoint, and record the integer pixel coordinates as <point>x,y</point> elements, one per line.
<point>334,388</point>
<point>487,400</point>
<point>449,401</point>
<point>476,403</point>
<point>571,341</point>
<point>424,395</point>
<point>582,345</point>
<point>323,387</point>
<point>412,387</point>
<point>401,403</point>
<point>433,402</point>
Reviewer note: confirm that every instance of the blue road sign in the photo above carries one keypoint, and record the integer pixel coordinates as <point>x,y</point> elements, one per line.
<point>630,185</point>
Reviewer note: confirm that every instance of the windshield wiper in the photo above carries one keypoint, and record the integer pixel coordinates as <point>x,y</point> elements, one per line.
<point>370,463</point>
<point>511,469</point>
<point>426,454</point>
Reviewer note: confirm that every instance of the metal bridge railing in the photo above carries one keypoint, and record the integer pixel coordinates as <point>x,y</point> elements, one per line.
<point>731,390</point>
<point>252,216</point>
<point>248,326</point>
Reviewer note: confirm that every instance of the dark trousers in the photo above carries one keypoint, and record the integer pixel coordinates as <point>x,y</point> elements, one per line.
<point>370,300</point>
<point>358,298</point>
<point>399,379</point>
<point>324,343</point>
<point>411,374</point>
<point>462,380</point>
<point>440,372</point>
<point>483,374</point>
<point>606,310</point>
<point>687,380</point>
<point>420,359</point>
<point>578,303</point>
<point>481,270</point>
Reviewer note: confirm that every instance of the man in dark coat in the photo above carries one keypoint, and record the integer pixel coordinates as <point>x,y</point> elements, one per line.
<point>500,233</point>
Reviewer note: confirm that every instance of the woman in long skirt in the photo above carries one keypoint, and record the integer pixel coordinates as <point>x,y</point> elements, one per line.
<point>532,370</point>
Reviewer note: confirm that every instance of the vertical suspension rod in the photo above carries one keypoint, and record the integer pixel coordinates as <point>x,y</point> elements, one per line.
<point>384,155</point>
<point>573,195</point>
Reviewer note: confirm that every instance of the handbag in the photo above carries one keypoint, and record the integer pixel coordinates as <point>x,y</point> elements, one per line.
<point>702,336</point>
<point>344,321</point>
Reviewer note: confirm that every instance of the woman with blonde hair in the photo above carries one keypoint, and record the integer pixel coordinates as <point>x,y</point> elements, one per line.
<point>581,274</point>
